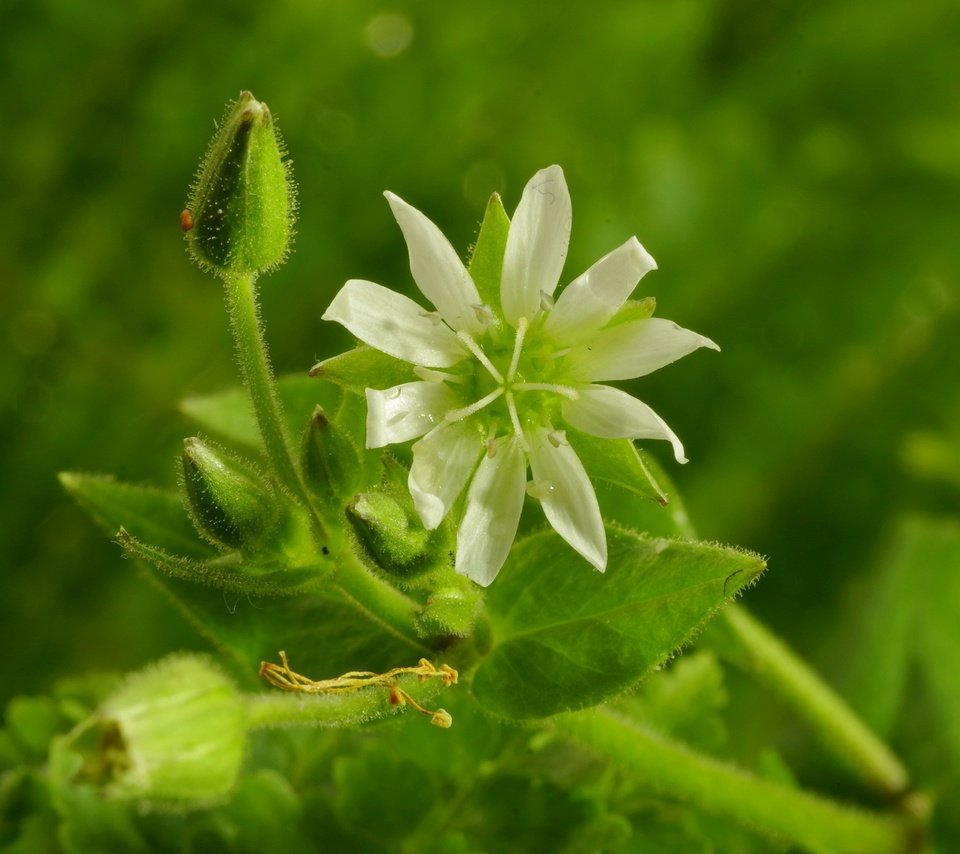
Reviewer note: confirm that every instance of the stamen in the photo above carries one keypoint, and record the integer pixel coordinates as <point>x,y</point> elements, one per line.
<point>540,489</point>
<point>557,438</point>
<point>517,347</point>
<point>560,353</point>
<point>434,316</point>
<point>492,443</point>
<point>430,375</point>
<point>563,390</point>
<point>467,411</point>
<point>484,313</point>
<point>546,301</point>
<point>474,348</point>
<point>515,420</point>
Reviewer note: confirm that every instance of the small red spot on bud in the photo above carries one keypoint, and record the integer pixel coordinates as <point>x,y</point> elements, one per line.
<point>186,220</point>
<point>395,698</point>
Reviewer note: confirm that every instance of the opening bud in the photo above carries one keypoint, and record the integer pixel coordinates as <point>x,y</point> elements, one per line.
<point>174,733</point>
<point>229,503</point>
<point>240,214</point>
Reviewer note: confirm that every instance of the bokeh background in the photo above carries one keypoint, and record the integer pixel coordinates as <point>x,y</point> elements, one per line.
<point>794,168</point>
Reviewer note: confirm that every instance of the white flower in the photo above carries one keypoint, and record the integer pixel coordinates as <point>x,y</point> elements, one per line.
<point>499,382</point>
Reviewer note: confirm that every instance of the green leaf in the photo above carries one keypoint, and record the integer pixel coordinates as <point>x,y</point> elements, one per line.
<point>232,572</point>
<point>875,673</point>
<point>380,796</point>
<point>362,368</point>
<point>33,722</point>
<point>229,415</point>
<point>567,638</point>
<point>486,262</point>
<point>321,630</point>
<point>685,701</point>
<point>146,513</point>
<point>265,814</point>
<point>935,562</point>
<point>617,462</point>
<point>89,823</point>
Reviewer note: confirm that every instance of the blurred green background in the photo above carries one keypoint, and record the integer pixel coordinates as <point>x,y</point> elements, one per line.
<point>793,167</point>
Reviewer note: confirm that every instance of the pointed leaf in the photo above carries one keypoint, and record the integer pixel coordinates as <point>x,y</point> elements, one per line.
<point>618,462</point>
<point>229,415</point>
<point>486,262</point>
<point>147,513</point>
<point>935,564</point>
<point>362,368</point>
<point>229,572</point>
<point>320,630</point>
<point>565,638</point>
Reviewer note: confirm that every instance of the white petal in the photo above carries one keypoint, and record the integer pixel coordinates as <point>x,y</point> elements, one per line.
<point>589,301</point>
<point>633,349</point>
<point>437,269</point>
<point>536,244</point>
<point>569,501</point>
<point>394,324</point>
<point>494,502</point>
<point>613,414</point>
<point>443,460</point>
<point>406,411</point>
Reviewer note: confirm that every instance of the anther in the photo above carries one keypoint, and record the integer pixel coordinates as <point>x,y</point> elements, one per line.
<point>484,313</point>
<point>540,489</point>
<point>434,316</point>
<point>429,375</point>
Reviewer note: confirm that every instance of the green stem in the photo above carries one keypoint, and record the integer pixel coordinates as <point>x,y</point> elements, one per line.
<point>761,652</point>
<point>377,599</point>
<point>797,817</point>
<point>258,378</point>
<point>277,709</point>
<point>845,734</point>
<point>382,603</point>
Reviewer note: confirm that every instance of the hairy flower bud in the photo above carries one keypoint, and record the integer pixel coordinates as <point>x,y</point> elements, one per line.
<point>240,214</point>
<point>174,733</point>
<point>390,532</point>
<point>228,502</point>
<point>329,460</point>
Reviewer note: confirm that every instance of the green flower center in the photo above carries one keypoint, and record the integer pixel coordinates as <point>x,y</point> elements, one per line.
<point>516,382</point>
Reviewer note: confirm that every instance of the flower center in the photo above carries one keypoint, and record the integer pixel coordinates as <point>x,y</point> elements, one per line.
<point>505,383</point>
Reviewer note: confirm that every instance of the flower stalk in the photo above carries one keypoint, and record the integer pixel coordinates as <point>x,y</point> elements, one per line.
<point>837,725</point>
<point>786,814</point>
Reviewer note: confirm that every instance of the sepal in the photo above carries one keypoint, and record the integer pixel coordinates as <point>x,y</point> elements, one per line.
<point>229,503</point>
<point>392,537</point>
<point>329,460</point>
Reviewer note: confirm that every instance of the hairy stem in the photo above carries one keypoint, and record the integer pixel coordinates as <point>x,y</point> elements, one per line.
<point>752,646</point>
<point>378,600</point>
<point>674,771</point>
<point>258,378</point>
<point>838,726</point>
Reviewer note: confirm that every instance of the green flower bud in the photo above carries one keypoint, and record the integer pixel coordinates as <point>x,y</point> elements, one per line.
<point>450,610</point>
<point>390,532</point>
<point>329,460</point>
<point>241,211</point>
<point>229,504</point>
<point>174,733</point>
